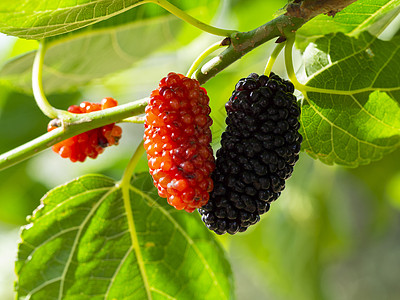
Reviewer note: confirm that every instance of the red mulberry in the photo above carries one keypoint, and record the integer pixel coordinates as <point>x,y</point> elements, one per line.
<point>90,143</point>
<point>177,141</point>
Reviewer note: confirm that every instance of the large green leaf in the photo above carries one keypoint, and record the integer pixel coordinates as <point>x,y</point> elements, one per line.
<point>38,19</point>
<point>79,245</point>
<point>351,115</point>
<point>352,20</point>
<point>76,58</point>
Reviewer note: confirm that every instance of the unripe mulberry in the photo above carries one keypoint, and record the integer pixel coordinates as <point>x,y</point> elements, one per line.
<point>90,143</point>
<point>259,148</point>
<point>177,141</point>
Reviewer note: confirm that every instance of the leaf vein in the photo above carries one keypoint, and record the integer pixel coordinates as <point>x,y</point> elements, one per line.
<point>384,65</point>
<point>163,294</point>
<point>67,264</point>
<point>116,271</point>
<point>371,115</point>
<point>44,284</point>
<point>70,199</point>
<point>343,130</point>
<point>184,234</point>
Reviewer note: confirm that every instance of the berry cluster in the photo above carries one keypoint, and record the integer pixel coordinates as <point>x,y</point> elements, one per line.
<point>90,143</point>
<point>177,141</point>
<point>258,150</point>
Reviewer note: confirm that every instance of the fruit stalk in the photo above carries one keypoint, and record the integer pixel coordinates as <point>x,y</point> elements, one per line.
<point>37,85</point>
<point>125,185</point>
<point>273,57</point>
<point>289,65</point>
<point>192,21</point>
<point>203,56</point>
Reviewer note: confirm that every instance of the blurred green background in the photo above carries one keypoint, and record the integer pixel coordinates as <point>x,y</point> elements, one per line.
<point>334,234</point>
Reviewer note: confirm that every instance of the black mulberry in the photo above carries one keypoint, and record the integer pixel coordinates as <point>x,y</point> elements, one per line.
<point>259,148</point>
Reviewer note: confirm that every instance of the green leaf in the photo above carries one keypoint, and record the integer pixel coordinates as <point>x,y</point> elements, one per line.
<point>79,246</point>
<point>38,19</point>
<point>352,20</point>
<point>74,59</point>
<point>351,113</point>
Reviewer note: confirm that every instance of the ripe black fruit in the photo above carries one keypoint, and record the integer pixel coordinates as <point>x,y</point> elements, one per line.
<point>258,150</point>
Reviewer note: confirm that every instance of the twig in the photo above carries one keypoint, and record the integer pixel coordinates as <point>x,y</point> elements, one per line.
<point>244,42</point>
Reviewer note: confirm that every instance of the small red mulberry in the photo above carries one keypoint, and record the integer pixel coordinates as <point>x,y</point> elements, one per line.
<point>90,143</point>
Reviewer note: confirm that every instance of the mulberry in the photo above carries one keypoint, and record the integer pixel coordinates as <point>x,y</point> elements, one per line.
<point>258,150</point>
<point>177,141</point>
<point>90,143</point>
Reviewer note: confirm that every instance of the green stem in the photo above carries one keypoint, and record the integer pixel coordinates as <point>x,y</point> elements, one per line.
<point>289,65</point>
<point>73,125</point>
<point>272,58</point>
<point>37,85</point>
<point>203,56</point>
<point>126,178</point>
<point>125,187</point>
<point>193,21</point>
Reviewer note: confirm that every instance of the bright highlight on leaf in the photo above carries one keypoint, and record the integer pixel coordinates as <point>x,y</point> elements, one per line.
<point>79,246</point>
